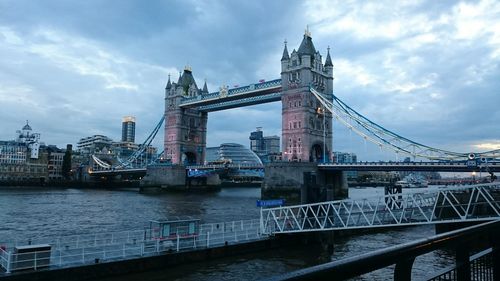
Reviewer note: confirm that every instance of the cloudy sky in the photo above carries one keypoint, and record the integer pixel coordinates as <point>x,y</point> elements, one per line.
<point>428,70</point>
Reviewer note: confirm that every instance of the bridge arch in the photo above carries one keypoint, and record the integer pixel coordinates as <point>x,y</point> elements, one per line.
<point>316,153</point>
<point>189,158</point>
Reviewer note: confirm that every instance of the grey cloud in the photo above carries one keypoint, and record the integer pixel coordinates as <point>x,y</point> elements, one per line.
<point>236,42</point>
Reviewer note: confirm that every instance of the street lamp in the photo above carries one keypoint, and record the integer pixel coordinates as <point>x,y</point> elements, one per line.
<point>322,112</point>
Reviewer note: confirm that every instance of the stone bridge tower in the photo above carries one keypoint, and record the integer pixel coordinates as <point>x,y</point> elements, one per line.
<point>306,125</point>
<point>185,129</point>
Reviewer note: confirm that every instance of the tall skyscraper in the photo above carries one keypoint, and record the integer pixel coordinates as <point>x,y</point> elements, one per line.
<point>264,147</point>
<point>257,141</point>
<point>128,129</point>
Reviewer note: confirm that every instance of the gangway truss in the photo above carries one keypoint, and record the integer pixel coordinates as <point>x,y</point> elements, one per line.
<point>440,205</point>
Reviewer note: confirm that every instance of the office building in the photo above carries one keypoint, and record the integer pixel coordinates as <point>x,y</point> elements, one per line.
<point>95,143</point>
<point>267,148</point>
<point>128,129</point>
<point>344,157</point>
<point>231,153</point>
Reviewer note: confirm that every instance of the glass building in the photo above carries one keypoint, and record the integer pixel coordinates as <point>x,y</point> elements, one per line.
<point>231,153</point>
<point>267,148</point>
<point>128,129</point>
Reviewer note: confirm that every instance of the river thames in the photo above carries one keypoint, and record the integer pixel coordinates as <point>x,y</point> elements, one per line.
<point>36,212</point>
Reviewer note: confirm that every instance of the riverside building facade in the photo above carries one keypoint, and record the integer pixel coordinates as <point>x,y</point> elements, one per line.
<point>24,159</point>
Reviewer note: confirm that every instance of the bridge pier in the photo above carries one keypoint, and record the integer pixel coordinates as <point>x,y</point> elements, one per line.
<point>210,182</point>
<point>285,180</point>
<point>164,177</point>
<point>303,182</point>
<point>335,183</point>
<point>175,178</point>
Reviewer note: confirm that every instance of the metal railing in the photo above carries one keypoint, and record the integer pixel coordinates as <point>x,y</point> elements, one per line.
<point>273,84</point>
<point>484,265</point>
<point>480,264</point>
<point>469,203</point>
<point>75,250</point>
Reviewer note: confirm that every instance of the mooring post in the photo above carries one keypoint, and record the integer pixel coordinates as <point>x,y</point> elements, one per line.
<point>402,271</point>
<point>462,261</point>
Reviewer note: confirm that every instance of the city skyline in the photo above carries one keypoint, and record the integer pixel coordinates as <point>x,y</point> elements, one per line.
<point>425,70</point>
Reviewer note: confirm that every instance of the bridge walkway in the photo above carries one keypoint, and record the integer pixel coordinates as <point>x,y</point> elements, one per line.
<point>441,205</point>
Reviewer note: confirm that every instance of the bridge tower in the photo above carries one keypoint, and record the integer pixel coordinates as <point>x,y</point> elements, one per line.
<point>306,125</point>
<point>185,129</point>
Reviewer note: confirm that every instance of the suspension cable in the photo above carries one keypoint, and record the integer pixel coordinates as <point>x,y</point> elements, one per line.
<point>386,138</point>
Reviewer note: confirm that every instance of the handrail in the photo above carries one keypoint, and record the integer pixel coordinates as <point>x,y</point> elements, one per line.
<point>402,255</point>
<point>91,248</point>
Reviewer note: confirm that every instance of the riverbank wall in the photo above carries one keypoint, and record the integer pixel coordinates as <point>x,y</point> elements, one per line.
<point>143,264</point>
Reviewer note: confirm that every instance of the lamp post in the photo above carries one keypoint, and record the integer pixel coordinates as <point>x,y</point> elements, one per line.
<point>324,135</point>
<point>322,112</point>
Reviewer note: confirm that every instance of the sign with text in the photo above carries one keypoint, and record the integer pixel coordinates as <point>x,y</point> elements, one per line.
<point>473,163</point>
<point>270,203</point>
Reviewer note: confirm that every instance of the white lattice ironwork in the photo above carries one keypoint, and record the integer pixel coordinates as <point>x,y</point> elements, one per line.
<point>470,203</point>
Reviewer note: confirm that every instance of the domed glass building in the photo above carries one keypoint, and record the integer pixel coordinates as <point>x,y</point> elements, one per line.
<point>233,153</point>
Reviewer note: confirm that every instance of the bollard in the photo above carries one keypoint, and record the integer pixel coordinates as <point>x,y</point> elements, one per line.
<point>402,271</point>
<point>462,254</point>
<point>208,239</point>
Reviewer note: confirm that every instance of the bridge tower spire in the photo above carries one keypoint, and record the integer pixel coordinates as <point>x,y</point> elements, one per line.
<point>185,129</point>
<point>306,125</point>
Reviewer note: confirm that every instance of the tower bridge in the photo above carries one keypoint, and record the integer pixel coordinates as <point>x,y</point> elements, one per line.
<point>306,132</point>
<point>308,109</point>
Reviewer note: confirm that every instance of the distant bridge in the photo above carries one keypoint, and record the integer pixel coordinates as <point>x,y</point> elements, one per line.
<point>258,170</point>
<point>122,171</point>
<point>194,171</point>
<point>462,166</point>
<point>244,170</point>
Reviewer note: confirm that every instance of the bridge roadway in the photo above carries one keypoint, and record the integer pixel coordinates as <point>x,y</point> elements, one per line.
<point>114,172</point>
<point>358,166</point>
<point>431,206</point>
<point>252,94</point>
<point>192,170</point>
<point>412,166</point>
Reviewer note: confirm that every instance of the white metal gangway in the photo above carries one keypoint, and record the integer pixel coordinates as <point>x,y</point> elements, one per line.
<point>468,203</point>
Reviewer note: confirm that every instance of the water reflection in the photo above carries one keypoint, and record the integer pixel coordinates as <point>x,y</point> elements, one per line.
<point>53,212</point>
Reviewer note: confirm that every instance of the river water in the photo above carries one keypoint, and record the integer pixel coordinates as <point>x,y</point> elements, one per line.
<point>35,212</point>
